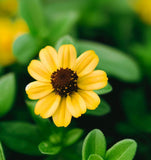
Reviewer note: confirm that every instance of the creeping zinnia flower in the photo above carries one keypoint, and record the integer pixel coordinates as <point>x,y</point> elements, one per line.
<point>65,83</point>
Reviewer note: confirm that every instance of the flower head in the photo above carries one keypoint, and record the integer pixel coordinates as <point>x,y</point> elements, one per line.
<point>143,8</point>
<point>9,31</point>
<point>64,83</point>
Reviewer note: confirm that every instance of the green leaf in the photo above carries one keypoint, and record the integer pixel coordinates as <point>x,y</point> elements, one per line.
<point>72,136</point>
<point>31,11</point>
<point>64,40</point>
<point>142,54</point>
<point>95,157</point>
<point>60,7</point>
<point>123,150</point>
<point>20,137</point>
<point>105,90</point>
<point>114,62</point>
<point>1,153</point>
<point>95,18</point>
<point>44,123</point>
<point>7,92</point>
<point>47,147</point>
<point>94,143</point>
<point>117,7</point>
<point>25,48</point>
<point>101,110</point>
<point>62,25</point>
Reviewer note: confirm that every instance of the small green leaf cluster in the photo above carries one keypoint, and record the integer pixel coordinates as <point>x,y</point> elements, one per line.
<point>94,148</point>
<point>55,140</point>
<point>58,141</point>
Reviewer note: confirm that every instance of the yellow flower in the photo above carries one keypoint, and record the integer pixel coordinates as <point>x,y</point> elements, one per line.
<point>9,31</point>
<point>143,8</point>
<point>64,83</point>
<point>8,7</point>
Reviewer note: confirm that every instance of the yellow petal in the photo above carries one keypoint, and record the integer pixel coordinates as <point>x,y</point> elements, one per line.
<point>86,63</point>
<point>62,117</point>
<point>93,81</point>
<point>49,58</point>
<point>76,104</point>
<point>91,99</point>
<point>47,106</point>
<point>37,90</point>
<point>67,56</point>
<point>38,71</point>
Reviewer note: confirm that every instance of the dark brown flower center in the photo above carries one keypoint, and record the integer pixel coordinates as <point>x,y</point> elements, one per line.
<point>64,81</point>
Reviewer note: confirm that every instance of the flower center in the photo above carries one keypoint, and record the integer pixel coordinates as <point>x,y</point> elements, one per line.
<point>64,81</point>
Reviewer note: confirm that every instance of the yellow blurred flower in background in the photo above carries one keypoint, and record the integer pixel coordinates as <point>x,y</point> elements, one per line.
<point>10,28</point>
<point>9,31</point>
<point>143,8</point>
<point>8,7</point>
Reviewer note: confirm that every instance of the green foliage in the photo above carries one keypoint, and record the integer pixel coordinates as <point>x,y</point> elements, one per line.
<point>1,70</point>
<point>46,147</point>
<point>23,53</point>
<point>44,124</point>
<point>142,53</point>
<point>126,129</point>
<point>114,62</point>
<point>94,148</point>
<point>72,136</point>
<point>123,150</point>
<point>101,110</point>
<point>105,90</point>
<point>95,157</point>
<point>21,137</point>
<point>31,11</point>
<point>56,138</point>
<point>60,139</point>
<point>7,92</point>
<point>131,100</point>
<point>117,7</point>
<point>61,7</point>
<point>94,143</point>
<point>2,157</point>
<point>65,40</point>
<point>61,25</point>
<point>44,31</point>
